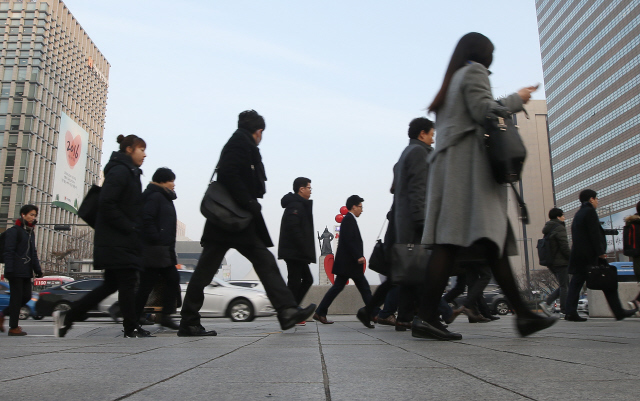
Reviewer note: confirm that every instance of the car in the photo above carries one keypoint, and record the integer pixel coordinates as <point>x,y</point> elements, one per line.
<point>555,308</point>
<point>28,310</point>
<point>583,305</point>
<point>625,272</point>
<point>221,299</point>
<point>493,296</point>
<point>59,298</point>
<point>255,284</point>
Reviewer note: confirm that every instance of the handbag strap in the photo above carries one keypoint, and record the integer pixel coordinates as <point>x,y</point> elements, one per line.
<point>215,171</point>
<point>524,213</point>
<point>382,228</point>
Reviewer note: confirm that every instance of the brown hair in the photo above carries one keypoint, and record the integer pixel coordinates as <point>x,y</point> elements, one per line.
<point>471,47</point>
<point>130,140</point>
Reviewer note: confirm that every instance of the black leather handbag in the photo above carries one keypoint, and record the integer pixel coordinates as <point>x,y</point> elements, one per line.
<point>602,276</point>
<point>221,209</point>
<point>409,263</point>
<point>88,210</point>
<point>506,151</point>
<point>379,261</point>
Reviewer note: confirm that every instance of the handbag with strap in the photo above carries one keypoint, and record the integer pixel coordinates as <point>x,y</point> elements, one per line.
<point>378,261</point>
<point>88,210</point>
<point>221,209</point>
<point>602,276</point>
<point>506,151</point>
<point>409,263</point>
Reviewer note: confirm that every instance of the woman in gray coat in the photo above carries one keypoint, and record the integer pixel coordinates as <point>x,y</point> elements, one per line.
<point>466,207</point>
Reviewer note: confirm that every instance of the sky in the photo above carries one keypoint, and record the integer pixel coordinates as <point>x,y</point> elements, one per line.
<point>337,83</point>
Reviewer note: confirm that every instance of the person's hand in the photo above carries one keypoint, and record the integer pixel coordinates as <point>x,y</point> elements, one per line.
<point>361,260</point>
<point>525,93</point>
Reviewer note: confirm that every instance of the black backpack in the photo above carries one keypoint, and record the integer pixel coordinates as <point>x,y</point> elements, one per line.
<point>631,240</point>
<point>545,253</point>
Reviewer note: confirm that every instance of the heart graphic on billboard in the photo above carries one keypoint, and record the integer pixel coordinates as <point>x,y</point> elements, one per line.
<point>73,148</point>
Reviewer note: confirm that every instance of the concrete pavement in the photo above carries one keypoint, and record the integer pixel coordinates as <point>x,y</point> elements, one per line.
<point>596,360</point>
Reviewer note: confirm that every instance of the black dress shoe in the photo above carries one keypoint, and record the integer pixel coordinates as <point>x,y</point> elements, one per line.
<point>574,318</point>
<point>322,319</point>
<point>363,317</point>
<point>138,332</point>
<point>195,331</point>
<point>493,317</point>
<point>627,313</point>
<point>402,326</point>
<point>529,325</point>
<point>422,329</point>
<point>145,322</point>
<point>290,316</point>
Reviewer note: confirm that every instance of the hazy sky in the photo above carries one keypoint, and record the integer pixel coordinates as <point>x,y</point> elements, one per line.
<point>337,82</point>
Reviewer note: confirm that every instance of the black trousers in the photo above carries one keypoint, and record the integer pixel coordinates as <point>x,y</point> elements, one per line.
<point>408,302</point>
<point>478,276</point>
<point>20,294</point>
<point>122,280</point>
<point>561,273</point>
<point>299,279</point>
<point>264,264</point>
<point>337,287</point>
<point>148,280</point>
<point>573,296</point>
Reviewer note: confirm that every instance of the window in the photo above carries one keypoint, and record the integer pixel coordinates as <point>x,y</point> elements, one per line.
<point>26,141</point>
<point>25,46</point>
<point>27,30</point>
<point>4,106</point>
<point>9,61</point>
<point>17,107</point>
<point>11,159</point>
<point>6,89</point>
<point>11,53</point>
<point>23,61</point>
<point>15,125</point>
<point>12,46</point>
<point>19,90</point>
<point>13,140</point>
<point>8,74</point>
<point>22,73</point>
<point>28,123</point>
<point>24,160</point>
<point>14,31</point>
<point>6,193</point>
<point>35,71</point>
<point>3,121</point>
<point>30,106</point>
<point>17,6</point>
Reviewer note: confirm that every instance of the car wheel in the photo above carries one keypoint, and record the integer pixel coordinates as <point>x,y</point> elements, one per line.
<point>241,310</point>
<point>38,317</point>
<point>24,313</point>
<point>62,306</point>
<point>502,308</point>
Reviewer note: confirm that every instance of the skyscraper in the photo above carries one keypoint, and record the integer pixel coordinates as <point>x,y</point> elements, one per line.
<point>52,113</point>
<point>591,62</point>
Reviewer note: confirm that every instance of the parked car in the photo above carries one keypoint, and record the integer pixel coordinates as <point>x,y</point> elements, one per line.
<point>61,297</point>
<point>25,311</point>
<point>221,299</point>
<point>555,308</point>
<point>255,284</point>
<point>493,296</point>
<point>583,305</point>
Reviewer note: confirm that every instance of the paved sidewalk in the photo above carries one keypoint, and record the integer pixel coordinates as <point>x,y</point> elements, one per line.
<point>596,360</point>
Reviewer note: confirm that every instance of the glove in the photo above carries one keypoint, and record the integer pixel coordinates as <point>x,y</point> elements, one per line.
<point>254,207</point>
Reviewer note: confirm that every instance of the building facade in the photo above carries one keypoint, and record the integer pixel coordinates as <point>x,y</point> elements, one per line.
<point>591,62</point>
<point>51,73</point>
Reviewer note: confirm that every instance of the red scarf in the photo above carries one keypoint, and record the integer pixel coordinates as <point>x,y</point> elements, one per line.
<point>20,221</point>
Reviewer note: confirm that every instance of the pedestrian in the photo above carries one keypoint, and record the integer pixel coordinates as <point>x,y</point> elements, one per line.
<point>159,238</point>
<point>475,276</point>
<point>117,243</point>
<point>589,249</point>
<point>635,220</point>
<point>555,233</point>
<point>241,172</point>
<point>297,244</point>
<point>349,261</point>
<point>20,265</point>
<point>465,204</point>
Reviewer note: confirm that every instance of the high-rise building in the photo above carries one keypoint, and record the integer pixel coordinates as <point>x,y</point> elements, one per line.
<point>52,113</point>
<point>591,62</point>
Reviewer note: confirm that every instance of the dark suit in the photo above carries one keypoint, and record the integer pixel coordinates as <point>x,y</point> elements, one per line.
<point>589,242</point>
<point>241,171</point>
<point>346,265</point>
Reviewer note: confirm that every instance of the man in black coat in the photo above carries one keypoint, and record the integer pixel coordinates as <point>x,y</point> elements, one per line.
<point>589,245</point>
<point>349,260</point>
<point>297,245</point>
<point>241,172</point>
<point>555,233</point>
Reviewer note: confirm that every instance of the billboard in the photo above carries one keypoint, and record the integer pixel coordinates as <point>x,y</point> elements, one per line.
<point>71,163</point>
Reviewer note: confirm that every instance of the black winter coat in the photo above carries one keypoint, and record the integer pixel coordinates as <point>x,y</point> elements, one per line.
<point>559,242</point>
<point>297,238</point>
<point>20,256</point>
<point>349,249</point>
<point>589,241</point>
<point>159,221</point>
<point>117,243</point>
<point>241,172</point>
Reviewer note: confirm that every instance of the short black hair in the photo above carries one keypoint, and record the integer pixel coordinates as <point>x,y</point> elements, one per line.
<point>26,209</point>
<point>353,200</point>
<point>163,174</point>
<point>251,121</point>
<point>586,195</point>
<point>300,182</point>
<point>638,207</point>
<point>419,124</point>
<point>555,213</point>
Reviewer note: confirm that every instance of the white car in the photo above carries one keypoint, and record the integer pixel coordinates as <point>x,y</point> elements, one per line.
<point>255,284</point>
<point>221,299</point>
<point>583,305</point>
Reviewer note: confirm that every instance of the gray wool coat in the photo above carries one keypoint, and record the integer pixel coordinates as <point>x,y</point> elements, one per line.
<point>464,202</point>
<point>410,177</point>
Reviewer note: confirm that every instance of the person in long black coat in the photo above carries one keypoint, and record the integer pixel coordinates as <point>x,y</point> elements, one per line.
<point>589,246</point>
<point>297,244</point>
<point>159,238</point>
<point>349,261</point>
<point>20,264</point>
<point>241,172</point>
<point>117,243</point>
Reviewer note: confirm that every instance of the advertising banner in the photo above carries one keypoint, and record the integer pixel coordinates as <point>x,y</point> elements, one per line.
<point>71,162</point>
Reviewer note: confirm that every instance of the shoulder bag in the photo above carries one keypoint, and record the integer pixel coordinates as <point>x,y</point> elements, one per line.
<point>409,263</point>
<point>221,209</point>
<point>88,210</point>
<point>378,261</point>
<point>602,276</point>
